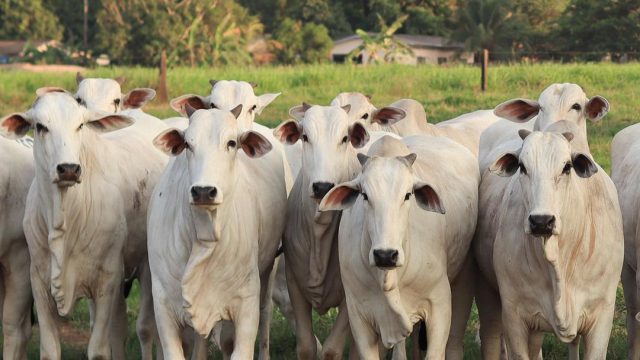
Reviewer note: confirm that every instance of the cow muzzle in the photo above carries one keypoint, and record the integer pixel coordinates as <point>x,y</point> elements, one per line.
<point>385,258</point>
<point>320,189</point>
<point>542,225</point>
<point>68,174</point>
<point>205,196</point>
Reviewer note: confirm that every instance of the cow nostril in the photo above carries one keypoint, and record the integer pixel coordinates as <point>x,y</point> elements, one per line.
<point>212,193</point>
<point>60,169</point>
<point>194,193</point>
<point>394,256</point>
<point>542,221</point>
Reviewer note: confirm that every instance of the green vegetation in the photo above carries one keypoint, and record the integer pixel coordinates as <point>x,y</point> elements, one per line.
<point>445,93</point>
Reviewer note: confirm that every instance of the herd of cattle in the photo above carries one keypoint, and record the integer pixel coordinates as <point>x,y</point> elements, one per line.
<point>398,223</point>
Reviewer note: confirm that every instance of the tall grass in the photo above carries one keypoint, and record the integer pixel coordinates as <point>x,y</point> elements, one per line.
<point>444,91</point>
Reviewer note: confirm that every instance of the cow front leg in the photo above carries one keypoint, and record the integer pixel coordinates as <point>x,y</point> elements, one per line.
<point>439,321</point>
<point>246,322</point>
<point>145,324</point>
<point>305,340</point>
<point>169,330</point>
<point>517,335</point>
<point>489,311</point>
<point>597,340</point>
<point>266,311</point>
<point>119,326</point>
<point>47,315</point>
<point>105,326</point>
<point>365,337</point>
<point>16,322</point>
<point>462,290</point>
<point>633,307</point>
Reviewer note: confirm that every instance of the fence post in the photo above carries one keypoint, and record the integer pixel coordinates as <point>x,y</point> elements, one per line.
<point>163,95</point>
<point>485,63</point>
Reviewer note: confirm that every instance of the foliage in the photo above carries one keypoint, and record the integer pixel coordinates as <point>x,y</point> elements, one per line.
<point>295,43</point>
<point>28,20</point>
<point>484,24</point>
<point>71,17</point>
<point>54,53</point>
<point>381,47</point>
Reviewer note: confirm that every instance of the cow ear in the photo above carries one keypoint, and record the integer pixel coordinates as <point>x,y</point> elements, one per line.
<point>15,126</point>
<point>362,158</point>
<point>388,115</point>
<point>120,80</point>
<point>264,100</point>
<point>254,144</point>
<point>346,108</point>
<point>506,165</point>
<point>427,198</point>
<point>137,98</point>
<point>197,102</point>
<point>79,78</point>
<point>297,112</point>
<point>583,165</point>
<point>50,89</point>
<point>340,197</point>
<point>597,108</point>
<point>236,111</point>
<point>170,142</point>
<point>517,110</point>
<point>358,135</point>
<point>288,132</point>
<point>110,123</point>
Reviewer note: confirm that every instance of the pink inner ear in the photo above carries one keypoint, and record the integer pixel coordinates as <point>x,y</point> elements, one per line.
<point>16,124</point>
<point>340,196</point>
<point>358,135</point>
<point>136,98</point>
<point>194,101</point>
<point>255,145</point>
<point>288,132</point>
<point>518,109</point>
<point>389,115</point>
<point>595,107</point>
<point>172,141</point>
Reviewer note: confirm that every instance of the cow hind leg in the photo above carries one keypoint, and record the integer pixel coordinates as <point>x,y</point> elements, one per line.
<point>632,302</point>
<point>119,326</point>
<point>17,306</point>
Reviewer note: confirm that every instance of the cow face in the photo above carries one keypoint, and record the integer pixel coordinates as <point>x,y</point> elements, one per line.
<point>60,127</point>
<point>211,144</point>
<point>556,103</point>
<point>226,95</point>
<point>386,189</point>
<point>328,143</point>
<point>545,168</point>
<point>106,95</point>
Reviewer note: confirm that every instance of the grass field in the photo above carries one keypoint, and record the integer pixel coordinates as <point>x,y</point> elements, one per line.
<point>444,91</point>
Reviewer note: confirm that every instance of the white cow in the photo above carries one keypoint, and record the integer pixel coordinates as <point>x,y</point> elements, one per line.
<point>551,221</point>
<point>330,142</point>
<point>85,220</point>
<point>407,117</point>
<point>15,286</point>
<point>396,259</point>
<point>213,233</point>
<point>625,172</point>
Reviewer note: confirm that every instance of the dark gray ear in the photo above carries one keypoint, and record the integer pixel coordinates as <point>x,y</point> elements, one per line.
<point>236,111</point>
<point>79,77</point>
<point>583,165</point>
<point>408,159</point>
<point>427,198</point>
<point>362,158</point>
<point>213,82</point>
<point>346,108</point>
<point>506,165</point>
<point>189,109</point>
<point>523,133</point>
<point>120,80</point>
<point>253,85</point>
<point>305,106</point>
<point>568,135</point>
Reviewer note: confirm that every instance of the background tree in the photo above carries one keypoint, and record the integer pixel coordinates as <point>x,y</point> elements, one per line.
<point>28,20</point>
<point>296,43</point>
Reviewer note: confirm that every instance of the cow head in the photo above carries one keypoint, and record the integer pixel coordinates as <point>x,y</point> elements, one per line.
<point>386,188</point>
<point>557,102</point>
<point>329,141</point>
<point>211,143</point>
<point>545,167</point>
<point>106,95</point>
<point>362,109</point>
<point>61,126</point>
<point>226,95</point>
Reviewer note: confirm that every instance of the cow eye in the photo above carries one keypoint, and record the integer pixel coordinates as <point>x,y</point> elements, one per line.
<point>365,197</point>
<point>254,107</point>
<point>345,139</point>
<point>365,116</point>
<point>80,127</point>
<point>41,129</point>
<point>80,101</point>
<point>407,196</point>
<point>523,170</point>
<point>305,138</point>
<point>576,107</point>
<point>187,146</point>
<point>567,169</point>
<point>213,106</point>
<point>231,144</point>
<point>116,101</point>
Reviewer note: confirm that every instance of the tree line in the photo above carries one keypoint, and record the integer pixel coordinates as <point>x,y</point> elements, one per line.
<point>214,32</point>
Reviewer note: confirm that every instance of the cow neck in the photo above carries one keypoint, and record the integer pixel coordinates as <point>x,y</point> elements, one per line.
<point>559,254</point>
<point>62,204</point>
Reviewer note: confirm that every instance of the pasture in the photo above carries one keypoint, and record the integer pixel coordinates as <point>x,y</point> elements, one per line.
<point>445,93</point>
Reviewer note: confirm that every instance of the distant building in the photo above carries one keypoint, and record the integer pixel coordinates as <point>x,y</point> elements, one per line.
<point>12,49</point>
<point>426,50</point>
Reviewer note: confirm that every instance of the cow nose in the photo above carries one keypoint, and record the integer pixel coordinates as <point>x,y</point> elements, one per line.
<point>68,172</point>
<point>542,224</point>
<point>385,258</point>
<point>203,194</point>
<point>320,189</point>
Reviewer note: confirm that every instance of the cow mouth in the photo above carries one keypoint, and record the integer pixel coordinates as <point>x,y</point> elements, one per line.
<point>541,232</point>
<point>205,204</point>
<point>67,181</point>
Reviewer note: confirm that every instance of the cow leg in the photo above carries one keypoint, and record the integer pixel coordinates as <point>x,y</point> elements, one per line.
<point>462,290</point>
<point>169,331</point>
<point>266,311</point>
<point>119,328</point>
<point>632,303</point>
<point>517,336</point>
<point>439,322</point>
<point>305,340</point>
<point>366,339</point>
<point>227,338</point>
<point>47,316</point>
<point>334,344</point>
<point>596,340</point>
<point>489,307</point>
<point>399,351</point>
<point>199,348</point>
<point>145,324</point>
<point>16,322</point>
<point>574,349</point>
<point>105,325</point>
<point>246,322</point>
<point>535,344</point>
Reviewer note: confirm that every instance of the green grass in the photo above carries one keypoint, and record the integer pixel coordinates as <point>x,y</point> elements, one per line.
<point>444,91</point>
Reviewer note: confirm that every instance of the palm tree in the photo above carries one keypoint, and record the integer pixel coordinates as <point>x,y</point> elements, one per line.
<point>483,24</point>
<point>381,47</point>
